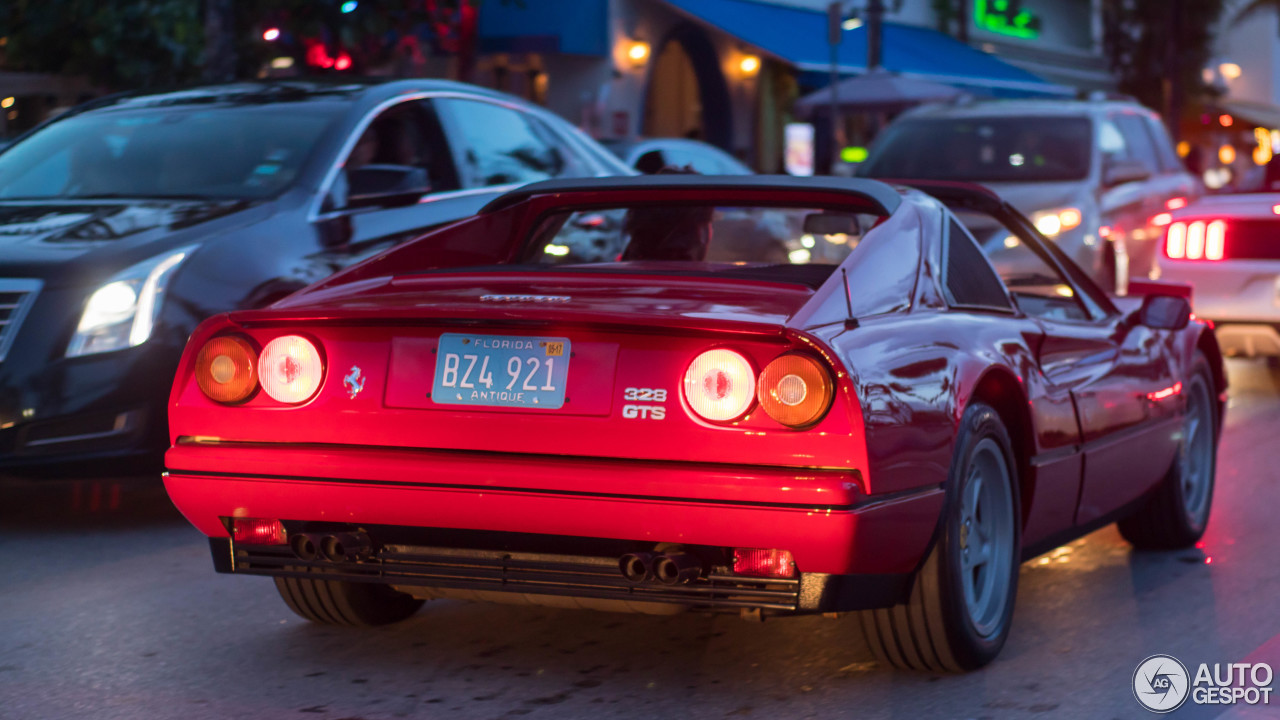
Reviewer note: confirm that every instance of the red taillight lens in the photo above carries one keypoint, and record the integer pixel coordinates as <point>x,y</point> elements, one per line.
<point>1196,240</point>
<point>720,385</point>
<point>226,369</point>
<point>1215,240</point>
<point>258,531</point>
<point>290,369</point>
<point>795,390</point>
<point>763,563</point>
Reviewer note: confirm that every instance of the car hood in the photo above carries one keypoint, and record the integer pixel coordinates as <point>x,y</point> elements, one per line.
<point>639,298</point>
<point>1029,198</point>
<point>54,241</point>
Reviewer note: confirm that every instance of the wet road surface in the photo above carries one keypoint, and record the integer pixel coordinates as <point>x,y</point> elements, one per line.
<point>109,608</point>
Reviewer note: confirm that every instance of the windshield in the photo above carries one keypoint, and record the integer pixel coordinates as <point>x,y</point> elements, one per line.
<point>788,244</point>
<point>239,152</point>
<point>1016,149</point>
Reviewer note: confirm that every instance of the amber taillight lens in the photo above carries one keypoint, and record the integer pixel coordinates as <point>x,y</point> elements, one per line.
<point>227,369</point>
<point>795,389</point>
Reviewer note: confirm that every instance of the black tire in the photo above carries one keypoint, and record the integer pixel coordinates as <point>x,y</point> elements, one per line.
<point>1176,514</point>
<point>338,602</point>
<point>936,631</point>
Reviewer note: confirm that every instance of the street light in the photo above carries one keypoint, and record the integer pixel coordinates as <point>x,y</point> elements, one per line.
<point>749,64</point>
<point>638,53</point>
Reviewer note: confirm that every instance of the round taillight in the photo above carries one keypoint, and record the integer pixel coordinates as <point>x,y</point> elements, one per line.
<point>290,369</point>
<point>227,369</point>
<point>795,389</point>
<point>720,385</point>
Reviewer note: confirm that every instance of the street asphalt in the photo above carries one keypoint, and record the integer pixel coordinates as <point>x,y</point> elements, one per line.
<point>109,608</point>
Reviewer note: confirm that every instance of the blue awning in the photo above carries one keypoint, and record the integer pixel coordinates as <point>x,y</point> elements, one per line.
<point>576,27</point>
<point>799,36</point>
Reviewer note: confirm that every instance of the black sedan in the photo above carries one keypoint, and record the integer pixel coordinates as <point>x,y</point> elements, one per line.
<point>127,221</point>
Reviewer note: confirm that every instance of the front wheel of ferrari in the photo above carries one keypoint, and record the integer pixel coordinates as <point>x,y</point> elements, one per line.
<point>338,602</point>
<point>961,605</point>
<point>1176,514</point>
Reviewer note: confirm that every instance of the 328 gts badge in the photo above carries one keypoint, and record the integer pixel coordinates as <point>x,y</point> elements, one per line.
<point>644,412</point>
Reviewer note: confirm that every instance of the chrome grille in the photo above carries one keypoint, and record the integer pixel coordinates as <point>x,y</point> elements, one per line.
<point>16,297</point>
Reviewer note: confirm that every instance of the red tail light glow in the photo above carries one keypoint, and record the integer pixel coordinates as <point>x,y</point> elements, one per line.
<point>720,385</point>
<point>258,531</point>
<point>763,563</point>
<point>1196,240</point>
<point>1215,240</point>
<point>290,369</point>
<point>1175,203</point>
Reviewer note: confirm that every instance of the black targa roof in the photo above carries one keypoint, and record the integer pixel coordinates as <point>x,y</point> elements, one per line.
<point>882,197</point>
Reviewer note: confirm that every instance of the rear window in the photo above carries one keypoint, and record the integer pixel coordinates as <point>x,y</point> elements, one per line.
<point>783,243</point>
<point>1014,149</point>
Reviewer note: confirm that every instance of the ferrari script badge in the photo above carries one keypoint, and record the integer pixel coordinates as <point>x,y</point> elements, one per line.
<point>354,381</point>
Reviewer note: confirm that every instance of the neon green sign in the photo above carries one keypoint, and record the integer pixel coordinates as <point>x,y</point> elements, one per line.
<point>853,154</point>
<point>1006,17</point>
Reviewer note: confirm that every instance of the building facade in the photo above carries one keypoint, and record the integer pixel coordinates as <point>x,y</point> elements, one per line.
<point>728,71</point>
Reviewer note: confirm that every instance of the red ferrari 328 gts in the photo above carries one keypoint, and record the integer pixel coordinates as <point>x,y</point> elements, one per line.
<point>757,395</point>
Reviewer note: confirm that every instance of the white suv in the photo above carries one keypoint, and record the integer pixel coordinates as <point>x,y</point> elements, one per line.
<point>1090,174</point>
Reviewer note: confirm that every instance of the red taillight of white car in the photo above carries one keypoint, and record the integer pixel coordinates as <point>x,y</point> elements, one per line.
<point>720,385</point>
<point>290,369</point>
<point>1196,240</point>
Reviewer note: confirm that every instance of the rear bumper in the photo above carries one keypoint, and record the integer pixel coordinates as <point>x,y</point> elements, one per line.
<point>820,516</point>
<point>543,579</point>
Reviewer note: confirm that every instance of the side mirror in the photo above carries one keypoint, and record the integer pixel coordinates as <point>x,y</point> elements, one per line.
<point>1165,312</point>
<point>1119,172</point>
<point>386,185</point>
<point>831,224</point>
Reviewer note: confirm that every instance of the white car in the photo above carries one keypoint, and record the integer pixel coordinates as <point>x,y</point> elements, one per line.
<point>1228,248</point>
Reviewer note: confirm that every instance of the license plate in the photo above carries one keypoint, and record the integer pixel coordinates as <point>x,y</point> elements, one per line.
<point>501,371</point>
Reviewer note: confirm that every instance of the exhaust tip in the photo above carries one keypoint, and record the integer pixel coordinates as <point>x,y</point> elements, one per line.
<point>677,569</point>
<point>332,549</point>
<point>303,547</point>
<point>636,567</point>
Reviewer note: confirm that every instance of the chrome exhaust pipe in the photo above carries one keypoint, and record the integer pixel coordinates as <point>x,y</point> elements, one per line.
<point>637,567</point>
<point>677,569</point>
<point>346,547</point>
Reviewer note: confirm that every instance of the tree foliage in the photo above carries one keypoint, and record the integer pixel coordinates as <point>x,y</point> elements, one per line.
<point>1157,48</point>
<point>123,44</point>
<point>115,43</point>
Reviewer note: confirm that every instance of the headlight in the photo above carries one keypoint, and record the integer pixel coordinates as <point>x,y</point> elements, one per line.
<point>1051,223</point>
<point>123,312</point>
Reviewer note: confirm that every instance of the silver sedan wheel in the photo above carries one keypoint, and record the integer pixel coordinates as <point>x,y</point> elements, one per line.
<point>986,537</point>
<point>1197,455</point>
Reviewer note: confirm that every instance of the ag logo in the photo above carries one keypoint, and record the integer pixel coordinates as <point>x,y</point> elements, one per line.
<point>1161,683</point>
